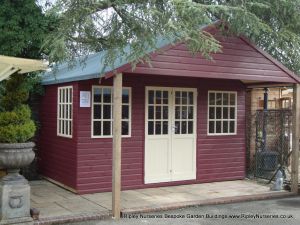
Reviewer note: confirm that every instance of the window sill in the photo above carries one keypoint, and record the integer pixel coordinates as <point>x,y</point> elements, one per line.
<point>64,136</point>
<point>101,137</point>
<point>222,134</point>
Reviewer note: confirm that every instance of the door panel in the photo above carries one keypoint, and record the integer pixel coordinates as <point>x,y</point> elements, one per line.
<point>183,159</point>
<point>184,135</point>
<point>157,163</point>
<point>170,135</point>
<point>157,135</point>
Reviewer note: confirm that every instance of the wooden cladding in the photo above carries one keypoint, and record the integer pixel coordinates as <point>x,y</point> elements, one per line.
<point>238,60</point>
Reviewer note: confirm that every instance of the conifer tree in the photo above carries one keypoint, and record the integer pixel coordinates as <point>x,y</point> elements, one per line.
<point>92,26</point>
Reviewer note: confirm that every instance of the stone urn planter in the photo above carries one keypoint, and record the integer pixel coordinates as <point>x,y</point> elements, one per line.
<point>17,128</point>
<point>14,188</point>
<point>15,156</point>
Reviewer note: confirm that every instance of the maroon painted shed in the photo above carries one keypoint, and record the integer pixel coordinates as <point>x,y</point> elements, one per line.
<point>183,118</point>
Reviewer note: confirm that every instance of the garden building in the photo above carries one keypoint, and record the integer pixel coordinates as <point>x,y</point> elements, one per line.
<point>182,121</point>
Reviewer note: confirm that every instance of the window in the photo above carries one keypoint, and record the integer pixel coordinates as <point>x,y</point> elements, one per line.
<point>102,112</point>
<point>158,112</point>
<point>64,111</point>
<point>222,112</point>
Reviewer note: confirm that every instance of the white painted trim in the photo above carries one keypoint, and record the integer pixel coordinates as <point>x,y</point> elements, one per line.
<point>195,133</point>
<point>92,113</point>
<point>148,180</point>
<point>171,105</point>
<point>146,106</point>
<point>66,102</point>
<point>235,119</point>
<point>10,65</point>
<point>6,72</point>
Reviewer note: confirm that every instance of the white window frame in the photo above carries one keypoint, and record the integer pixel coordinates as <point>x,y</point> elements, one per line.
<point>68,103</point>
<point>235,114</point>
<point>92,113</point>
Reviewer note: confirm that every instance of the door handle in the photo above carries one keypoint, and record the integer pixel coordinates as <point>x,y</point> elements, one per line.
<point>174,128</point>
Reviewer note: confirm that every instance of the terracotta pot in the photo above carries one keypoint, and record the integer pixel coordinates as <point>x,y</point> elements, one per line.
<point>15,156</point>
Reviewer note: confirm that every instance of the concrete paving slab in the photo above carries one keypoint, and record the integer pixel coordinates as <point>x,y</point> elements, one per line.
<point>51,210</point>
<point>153,191</point>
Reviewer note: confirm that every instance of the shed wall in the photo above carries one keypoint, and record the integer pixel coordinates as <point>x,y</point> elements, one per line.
<point>219,158</point>
<point>57,156</point>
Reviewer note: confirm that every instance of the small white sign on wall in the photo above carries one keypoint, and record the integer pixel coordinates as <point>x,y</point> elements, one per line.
<point>85,99</point>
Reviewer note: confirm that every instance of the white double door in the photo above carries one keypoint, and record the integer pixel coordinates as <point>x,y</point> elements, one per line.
<point>170,135</point>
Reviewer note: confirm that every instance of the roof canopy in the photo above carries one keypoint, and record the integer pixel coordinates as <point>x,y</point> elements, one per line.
<point>10,65</point>
<point>91,67</point>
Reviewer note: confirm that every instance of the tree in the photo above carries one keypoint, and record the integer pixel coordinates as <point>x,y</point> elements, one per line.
<point>92,26</point>
<point>22,31</point>
<point>23,28</point>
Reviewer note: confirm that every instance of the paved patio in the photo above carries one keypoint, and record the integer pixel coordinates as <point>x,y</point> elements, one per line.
<point>56,203</point>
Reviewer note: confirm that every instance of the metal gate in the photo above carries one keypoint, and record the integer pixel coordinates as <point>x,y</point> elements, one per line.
<point>273,141</point>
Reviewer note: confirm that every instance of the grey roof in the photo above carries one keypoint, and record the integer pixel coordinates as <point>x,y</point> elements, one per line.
<point>91,67</point>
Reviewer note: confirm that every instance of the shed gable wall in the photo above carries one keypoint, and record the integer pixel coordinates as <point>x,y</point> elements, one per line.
<point>238,60</point>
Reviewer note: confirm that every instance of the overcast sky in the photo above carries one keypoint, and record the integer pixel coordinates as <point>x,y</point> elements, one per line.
<point>45,3</point>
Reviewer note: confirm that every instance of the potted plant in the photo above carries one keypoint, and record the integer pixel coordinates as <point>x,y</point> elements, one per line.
<point>16,127</point>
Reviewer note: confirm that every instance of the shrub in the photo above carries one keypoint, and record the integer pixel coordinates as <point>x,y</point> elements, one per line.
<point>16,125</point>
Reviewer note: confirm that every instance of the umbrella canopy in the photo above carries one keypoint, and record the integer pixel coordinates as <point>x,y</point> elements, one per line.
<point>10,65</point>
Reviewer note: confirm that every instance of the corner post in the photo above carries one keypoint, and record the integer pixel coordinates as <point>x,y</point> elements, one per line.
<point>295,136</point>
<point>117,139</point>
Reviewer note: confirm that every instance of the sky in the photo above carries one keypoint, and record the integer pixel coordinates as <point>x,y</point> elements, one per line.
<point>45,4</point>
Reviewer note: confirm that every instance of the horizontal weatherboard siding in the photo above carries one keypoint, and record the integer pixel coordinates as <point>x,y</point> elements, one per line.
<point>85,164</point>
<point>57,156</point>
<point>237,61</point>
<point>214,161</point>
